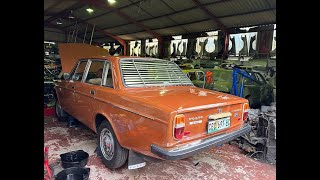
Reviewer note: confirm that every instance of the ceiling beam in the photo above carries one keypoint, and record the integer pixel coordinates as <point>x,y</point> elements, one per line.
<point>64,12</point>
<point>200,32</point>
<point>206,19</point>
<point>174,11</point>
<point>269,6</point>
<point>170,14</point>
<point>211,15</point>
<point>53,5</point>
<point>107,12</point>
<point>102,5</point>
<point>105,33</point>
<point>97,28</point>
<point>147,19</point>
<point>50,25</point>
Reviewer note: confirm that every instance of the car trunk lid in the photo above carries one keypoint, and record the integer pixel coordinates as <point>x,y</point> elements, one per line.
<point>186,98</point>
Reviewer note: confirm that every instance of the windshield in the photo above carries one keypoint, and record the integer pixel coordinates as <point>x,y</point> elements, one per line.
<point>152,72</point>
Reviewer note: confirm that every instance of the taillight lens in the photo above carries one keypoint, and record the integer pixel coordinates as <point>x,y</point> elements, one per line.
<point>245,111</point>
<point>179,123</point>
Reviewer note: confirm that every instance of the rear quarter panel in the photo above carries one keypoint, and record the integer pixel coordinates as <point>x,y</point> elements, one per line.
<point>137,124</point>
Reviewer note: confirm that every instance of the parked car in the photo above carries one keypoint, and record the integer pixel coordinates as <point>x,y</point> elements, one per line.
<point>186,66</point>
<point>257,93</point>
<point>260,64</point>
<point>144,106</point>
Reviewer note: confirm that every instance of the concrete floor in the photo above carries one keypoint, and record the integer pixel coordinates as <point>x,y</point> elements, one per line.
<point>225,162</point>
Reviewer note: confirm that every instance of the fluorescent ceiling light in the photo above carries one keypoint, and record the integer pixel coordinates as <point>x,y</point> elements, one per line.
<point>111,1</point>
<point>89,10</point>
<point>48,42</point>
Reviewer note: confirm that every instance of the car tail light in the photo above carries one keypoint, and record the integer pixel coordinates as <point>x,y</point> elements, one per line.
<point>245,111</point>
<point>179,123</point>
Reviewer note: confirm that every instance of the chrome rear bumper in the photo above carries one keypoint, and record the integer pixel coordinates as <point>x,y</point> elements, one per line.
<point>197,146</point>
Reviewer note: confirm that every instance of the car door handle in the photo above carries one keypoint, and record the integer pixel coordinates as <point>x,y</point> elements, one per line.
<point>92,92</point>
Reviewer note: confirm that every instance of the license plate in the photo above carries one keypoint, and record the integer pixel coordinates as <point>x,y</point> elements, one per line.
<point>218,124</point>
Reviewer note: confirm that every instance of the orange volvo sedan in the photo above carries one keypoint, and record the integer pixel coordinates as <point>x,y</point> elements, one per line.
<point>144,107</point>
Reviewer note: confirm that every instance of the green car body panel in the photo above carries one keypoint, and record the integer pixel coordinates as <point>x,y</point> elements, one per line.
<point>257,94</point>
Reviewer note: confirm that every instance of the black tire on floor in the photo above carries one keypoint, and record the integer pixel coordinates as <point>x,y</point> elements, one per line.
<point>120,154</point>
<point>60,113</point>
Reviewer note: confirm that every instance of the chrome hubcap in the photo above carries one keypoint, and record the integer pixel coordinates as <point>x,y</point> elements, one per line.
<point>106,144</point>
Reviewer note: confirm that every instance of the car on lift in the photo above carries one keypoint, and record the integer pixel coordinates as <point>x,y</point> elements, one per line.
<point>143,107</point>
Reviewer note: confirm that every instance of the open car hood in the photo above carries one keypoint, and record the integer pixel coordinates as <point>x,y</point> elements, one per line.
<point>70,53</point>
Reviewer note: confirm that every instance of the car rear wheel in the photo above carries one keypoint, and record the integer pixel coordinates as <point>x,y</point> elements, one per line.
<point>113,155</point>
<point>60,113</point>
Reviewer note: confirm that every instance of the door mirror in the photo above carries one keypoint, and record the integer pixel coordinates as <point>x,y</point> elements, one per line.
<point>66,75</point>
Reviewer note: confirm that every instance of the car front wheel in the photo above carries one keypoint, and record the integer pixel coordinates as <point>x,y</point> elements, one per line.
<point>113,155</point>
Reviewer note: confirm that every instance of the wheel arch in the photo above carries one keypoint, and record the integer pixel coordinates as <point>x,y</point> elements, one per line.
<point>99,118</point>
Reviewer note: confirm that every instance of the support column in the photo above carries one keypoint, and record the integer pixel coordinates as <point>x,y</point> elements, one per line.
<point>164,47</point>
<point>191,47</point>
<point>143,48</point>
<point>192,41</point>
<point>226,45</point>
<point>126,49</point>
<point>264,40</point>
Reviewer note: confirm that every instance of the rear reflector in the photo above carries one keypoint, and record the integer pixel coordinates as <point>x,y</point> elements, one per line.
<point>179,123</point>
<point>178,133</point>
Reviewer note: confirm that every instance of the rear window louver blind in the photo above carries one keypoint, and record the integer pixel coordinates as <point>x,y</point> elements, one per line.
<point>153,72</point>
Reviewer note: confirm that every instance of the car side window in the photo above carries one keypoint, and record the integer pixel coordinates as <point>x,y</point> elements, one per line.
<point>95,72</point>
<point>107,74</point>
<point>77,75</point>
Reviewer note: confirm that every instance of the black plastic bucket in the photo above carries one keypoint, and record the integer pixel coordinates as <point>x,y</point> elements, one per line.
<point>74,173</point>
<point>74,159</point>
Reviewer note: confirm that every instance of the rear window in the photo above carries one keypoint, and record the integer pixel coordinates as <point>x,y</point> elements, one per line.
<point>152,72</point>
